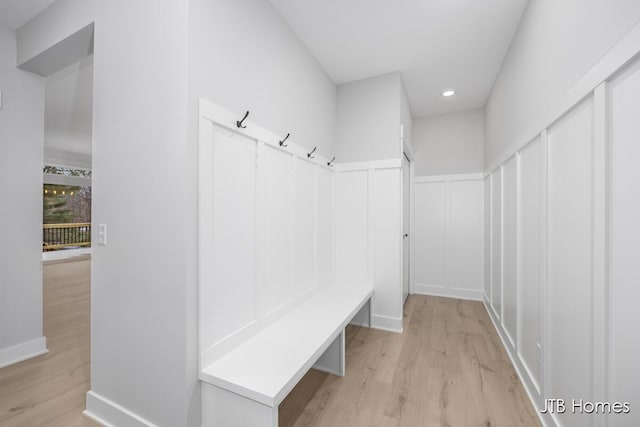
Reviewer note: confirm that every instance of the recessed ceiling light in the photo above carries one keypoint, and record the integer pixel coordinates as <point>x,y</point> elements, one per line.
<point>449,92</point>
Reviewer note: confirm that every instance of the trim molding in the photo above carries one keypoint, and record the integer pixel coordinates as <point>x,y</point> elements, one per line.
<point>371,164</point>
<point>384,323</point>
<point>23,351</point>
<point>110,414</point>
<point>455,177</point>
<point>439,291</point>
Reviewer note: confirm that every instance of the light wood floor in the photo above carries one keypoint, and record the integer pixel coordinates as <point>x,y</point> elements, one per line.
<point>448,369</point>
<point>49,390</point>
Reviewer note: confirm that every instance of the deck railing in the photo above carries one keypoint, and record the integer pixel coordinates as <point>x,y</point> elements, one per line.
<point>60,236</point>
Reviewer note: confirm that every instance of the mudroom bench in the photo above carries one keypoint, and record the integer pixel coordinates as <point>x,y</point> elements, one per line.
<point>245,386</point>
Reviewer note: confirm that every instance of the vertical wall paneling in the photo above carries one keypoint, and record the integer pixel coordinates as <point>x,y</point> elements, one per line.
<point>266,228</point>
<point>599,232</point>
<point>352,224</point>
<point>369,233</point>
<point>529,247</point>
<point>325,225</point>
<point>304,232</point>
<point>624,273</point>
<point>233,157</point>
<point>544,261</point>
<point>387,242</point>
<point>487,240</point>
<point>496,242</point>
<point>449,236</point>
<point>205,229</point>
<point>466,244</point>
<point>430,233</point>
<point>510,259</point>
<point>277,226</point>
<point>576,243</point>
<point>570,237</point>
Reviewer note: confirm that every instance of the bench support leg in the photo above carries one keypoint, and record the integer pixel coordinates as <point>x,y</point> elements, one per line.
<point>332,360</point>
<point>221,408</point>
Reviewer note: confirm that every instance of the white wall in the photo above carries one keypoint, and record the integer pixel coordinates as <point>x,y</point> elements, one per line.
<point>449,241</point>
<point>144,305</point>
<point>564,211</point>
<point>555,45</point>
<point>243,56</point>
<point>369,234</point>
<point>276,221</point>
<point>144,328</point>
<point>21,136</point>
<point>369,118</point>
<point>624,234</point>
<point>144,339</point>
<point>449,143</point>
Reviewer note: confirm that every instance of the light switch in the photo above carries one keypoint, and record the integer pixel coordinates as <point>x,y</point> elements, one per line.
<point>102,234</point>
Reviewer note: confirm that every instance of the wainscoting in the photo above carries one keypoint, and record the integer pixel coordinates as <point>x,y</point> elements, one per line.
<point>562,235</point>
<point>449,236</point>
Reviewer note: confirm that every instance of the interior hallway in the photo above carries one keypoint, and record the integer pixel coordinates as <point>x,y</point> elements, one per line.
<point>448,368</point>
<point>49,390</point>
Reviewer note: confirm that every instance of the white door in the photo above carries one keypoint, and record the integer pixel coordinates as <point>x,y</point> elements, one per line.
<point>406,219</point>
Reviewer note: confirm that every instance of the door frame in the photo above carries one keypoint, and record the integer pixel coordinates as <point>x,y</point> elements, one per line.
<point>406,149</point>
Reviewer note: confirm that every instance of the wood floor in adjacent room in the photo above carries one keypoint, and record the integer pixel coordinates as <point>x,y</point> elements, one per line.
<point>49,390</point>
<point>448,369</point>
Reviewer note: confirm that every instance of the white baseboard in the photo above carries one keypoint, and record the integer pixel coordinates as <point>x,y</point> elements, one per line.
<point>110,414</point>
<point>23,351</point>
<point>384,323</point>
<point>534,397</point>
<point>439,291</point>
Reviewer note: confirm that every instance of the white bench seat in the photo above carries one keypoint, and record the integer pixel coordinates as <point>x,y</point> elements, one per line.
<point>264,369</point>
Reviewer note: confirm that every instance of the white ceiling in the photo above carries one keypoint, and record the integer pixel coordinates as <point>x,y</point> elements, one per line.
<point>435,44</point>
<point>15,13</point>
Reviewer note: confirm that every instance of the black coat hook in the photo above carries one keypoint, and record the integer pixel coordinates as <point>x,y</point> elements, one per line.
<point>331,161</point>
<point>309,155</point>
<point>282,144</point>
<point>239,123</point>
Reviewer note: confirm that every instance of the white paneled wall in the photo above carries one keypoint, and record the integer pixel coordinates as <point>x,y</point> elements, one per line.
<point>278,217</point>
<point>449,242</point>
<point>487,238</point>
<point>509,253</point>
<point>266,228</point>
<point>326,225</point>
<point>624,237</point>
<point>496,242</point>
<point>563,224</point>
<point>230,237</point>
<point>304,219</point>
<point>569,258</point>
<point>430,233</point>
<point>529,260</point>
<point>352,231</point>
<point>369,233</point>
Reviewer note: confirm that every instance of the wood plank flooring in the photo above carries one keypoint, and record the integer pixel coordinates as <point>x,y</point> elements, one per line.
<point>448,369</point>
<point>49,390</point>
